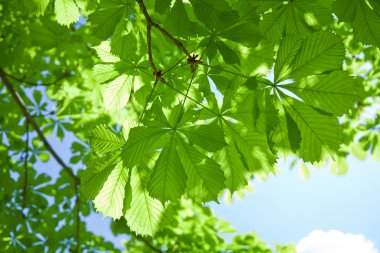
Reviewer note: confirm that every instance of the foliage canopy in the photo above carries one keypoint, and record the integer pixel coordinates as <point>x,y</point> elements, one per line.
<point>171,100</point>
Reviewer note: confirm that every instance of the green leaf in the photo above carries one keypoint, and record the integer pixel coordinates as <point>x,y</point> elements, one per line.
<point>168,181</point>
<point>366,24</point>
<point>215,14</point>
<point>96,174</point>
<point>334,93</point>
<point>141,141</point>
<point>104,52</point>
<point>209,137</point>
<point>124,42</point>
<point>105,140</point>
<point>109,200</point>
<point>229,55</point>
<point>177,21</point>
<point>146,215</point>
<point>104,21</point>
<point>345,9</point>
<point>320,133</point>
<point>66,11</point>
<point>253,147</point>
<point>248,34</point>
<point>287,136</point>
<point>37,7</point>
<point>117,92</point>
<point>287,52</point>
<point>234,170</point>
<point>104,73</point>
<point>44,157</point>
<point>319,52</point>
<point>205,178</point>
<point>162,5</point>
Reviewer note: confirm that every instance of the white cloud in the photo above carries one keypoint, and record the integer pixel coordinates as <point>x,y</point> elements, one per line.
<point>334,242</point>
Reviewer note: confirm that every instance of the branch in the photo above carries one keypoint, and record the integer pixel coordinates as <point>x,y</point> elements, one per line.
<point>149,25</point>
<point>184,100</point>
<point>66,74</point>
<point>149,42</point>
<point>192,99</point>
<point>148,244</point>
<point>149,97</point>
<point>77,204</point>
<point>224,70</point>
<point>20,102</point>
<point>25,190</point>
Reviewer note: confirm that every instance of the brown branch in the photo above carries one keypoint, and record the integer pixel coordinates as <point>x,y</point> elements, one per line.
<point>20,102</point>
<point>66,74</point>
<point>149,25</point>
<point>149,42</point>
<point>77,204</point>
<point>148,244</point>
<point>26,153</point>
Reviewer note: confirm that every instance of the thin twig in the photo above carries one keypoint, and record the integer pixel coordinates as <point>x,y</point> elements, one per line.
<point>147,243</point>
<point>192,99</point>
<point>147,102</point>
<point>184,100</point>
<point>66,74</point>
<point>77,205</point>
<point>26,154</point>
<point>224,70</point>
<point>151,23</point>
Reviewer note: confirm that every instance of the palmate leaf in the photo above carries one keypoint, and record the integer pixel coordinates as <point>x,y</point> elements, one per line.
<point>96,174</point>
<point>104,140</point>
<point>145,215</point>
<point>209,137</point>
<point>295,17</point>
<point>215,14</point>
<point>247,34</point>
<point>36,7</point>
<point>117,92</point>
<point>366,24</point>
<point>252,145</point>
<point>319,52</point>
<point>105,72</point>
<point>334,93</point>
<point>287,136</point>
<point>177,21</point>
<point>106,19</point>
<point>141,141</point>
<point>110,199</point>
<point>345,9</point>
<point>66,11</point>
<point>234,170</point>
<point>319,132</point>
<point>104,52</point>
<point>205,178</point>
<point>365,21</point>
<point>168,180</point>
<point>287,52</point>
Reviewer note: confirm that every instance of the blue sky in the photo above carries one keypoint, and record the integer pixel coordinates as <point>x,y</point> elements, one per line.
<point>285,208</point>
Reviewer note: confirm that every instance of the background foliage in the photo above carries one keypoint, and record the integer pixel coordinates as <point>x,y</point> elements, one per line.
<point>168,103</point>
